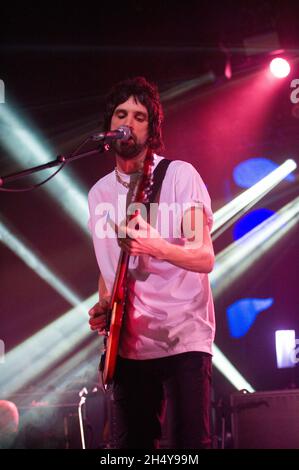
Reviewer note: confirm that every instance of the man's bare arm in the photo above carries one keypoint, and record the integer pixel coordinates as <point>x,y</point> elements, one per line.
<point>98,313</point>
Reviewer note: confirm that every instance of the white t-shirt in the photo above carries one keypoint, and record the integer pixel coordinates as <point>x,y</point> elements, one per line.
<point>169,309</point>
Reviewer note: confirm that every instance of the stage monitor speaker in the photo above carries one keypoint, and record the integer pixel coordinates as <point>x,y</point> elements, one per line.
<point>53,422</point>
<point>265,420</point>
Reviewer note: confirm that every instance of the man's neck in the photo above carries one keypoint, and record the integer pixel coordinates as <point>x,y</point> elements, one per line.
<point>131,166</point>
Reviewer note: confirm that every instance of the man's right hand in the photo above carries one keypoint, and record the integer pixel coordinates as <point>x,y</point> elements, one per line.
<point>98,316</point>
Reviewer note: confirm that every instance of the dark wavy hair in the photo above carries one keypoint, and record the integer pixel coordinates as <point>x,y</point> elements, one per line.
<point>148,95</point>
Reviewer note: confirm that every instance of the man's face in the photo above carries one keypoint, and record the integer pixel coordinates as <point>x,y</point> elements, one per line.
<point>133,114</point>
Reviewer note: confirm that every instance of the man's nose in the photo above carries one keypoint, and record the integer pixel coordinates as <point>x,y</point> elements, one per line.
<point>129,121</point>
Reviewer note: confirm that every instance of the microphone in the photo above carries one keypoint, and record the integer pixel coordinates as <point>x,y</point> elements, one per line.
<point>121,133</point>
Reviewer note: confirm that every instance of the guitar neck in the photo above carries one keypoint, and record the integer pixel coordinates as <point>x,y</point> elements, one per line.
<point>120,278</point>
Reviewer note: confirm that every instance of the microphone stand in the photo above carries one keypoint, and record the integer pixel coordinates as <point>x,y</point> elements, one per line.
<point>61,159</point>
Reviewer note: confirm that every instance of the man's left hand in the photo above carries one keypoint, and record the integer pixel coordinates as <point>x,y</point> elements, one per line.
<point>142,239</point>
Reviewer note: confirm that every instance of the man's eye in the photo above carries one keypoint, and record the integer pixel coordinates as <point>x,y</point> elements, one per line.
<point>120,115</point>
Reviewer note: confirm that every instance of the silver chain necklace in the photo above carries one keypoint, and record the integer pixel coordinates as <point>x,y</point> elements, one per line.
<point>129,185</point>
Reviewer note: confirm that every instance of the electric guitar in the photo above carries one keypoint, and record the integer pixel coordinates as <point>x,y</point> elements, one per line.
<point>118,298</point>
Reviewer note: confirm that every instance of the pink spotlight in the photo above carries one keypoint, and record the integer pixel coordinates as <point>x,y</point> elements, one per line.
<point>279,67</point>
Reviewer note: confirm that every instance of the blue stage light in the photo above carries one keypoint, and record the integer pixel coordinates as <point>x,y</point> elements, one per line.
<point>242,314</point>
<point>249,221</point>
<point>249,172</point>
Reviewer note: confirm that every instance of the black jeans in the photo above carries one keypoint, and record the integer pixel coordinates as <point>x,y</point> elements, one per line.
<point>141,390</point>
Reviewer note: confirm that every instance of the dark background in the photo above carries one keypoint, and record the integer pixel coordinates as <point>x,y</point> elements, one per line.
<point>58,62</point>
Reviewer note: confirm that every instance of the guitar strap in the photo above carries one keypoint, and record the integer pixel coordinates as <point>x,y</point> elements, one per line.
<point>158,177</point>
